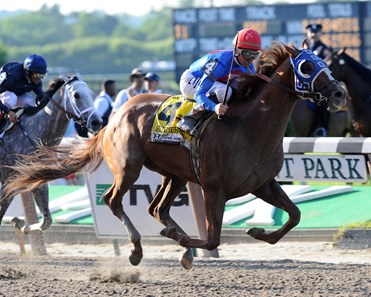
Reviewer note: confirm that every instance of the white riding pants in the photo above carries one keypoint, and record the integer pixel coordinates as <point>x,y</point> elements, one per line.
<point>10,99</point>
<point>189,84</point>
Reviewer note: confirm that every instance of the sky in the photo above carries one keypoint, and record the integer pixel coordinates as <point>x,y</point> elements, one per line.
<point>132,7</point>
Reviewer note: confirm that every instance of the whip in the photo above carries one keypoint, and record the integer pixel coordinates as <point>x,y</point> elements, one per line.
<point>229,75</point>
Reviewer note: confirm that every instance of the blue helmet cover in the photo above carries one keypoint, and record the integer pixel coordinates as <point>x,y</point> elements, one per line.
<point>35,63</point>
<point>304,82</point>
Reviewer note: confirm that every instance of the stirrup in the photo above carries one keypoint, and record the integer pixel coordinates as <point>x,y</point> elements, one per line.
<point>185,124</point>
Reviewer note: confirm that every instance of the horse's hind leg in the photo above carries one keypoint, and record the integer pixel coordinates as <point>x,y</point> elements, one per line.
<point>160,210</point>
<point>273,194</point>
<point>41,196</point>
<point>4,205</point>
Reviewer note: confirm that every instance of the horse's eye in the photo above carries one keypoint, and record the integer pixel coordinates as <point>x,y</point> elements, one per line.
<point>307,67</point>
<point>76,95</point>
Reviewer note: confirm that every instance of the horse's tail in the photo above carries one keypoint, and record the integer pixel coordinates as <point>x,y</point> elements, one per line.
<point>50,163</point>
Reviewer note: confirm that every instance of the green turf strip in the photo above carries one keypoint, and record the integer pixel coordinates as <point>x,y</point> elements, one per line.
<point>58,191</point>
<point>330,212</point>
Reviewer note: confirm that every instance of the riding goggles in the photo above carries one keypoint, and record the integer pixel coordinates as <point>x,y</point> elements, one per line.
<point>39,76</point>
<point>248,54</point>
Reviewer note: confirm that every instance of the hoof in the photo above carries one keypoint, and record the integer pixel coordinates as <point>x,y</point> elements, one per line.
<point>20,225</point>
<point>135,258</point>
<point>186,259</point>
<point>255,232</point>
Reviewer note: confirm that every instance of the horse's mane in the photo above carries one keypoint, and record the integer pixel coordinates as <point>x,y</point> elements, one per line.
<point>56,81</point>
<point>355,65</point>
<point>269,60</point>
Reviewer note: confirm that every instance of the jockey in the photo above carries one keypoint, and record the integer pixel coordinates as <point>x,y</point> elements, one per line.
<point>17,80</point>
<point>206,79</point>
<point>322,115</point>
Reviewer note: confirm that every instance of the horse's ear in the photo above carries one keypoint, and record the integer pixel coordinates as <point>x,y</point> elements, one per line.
<point>64,77</point>
<point>305,44</point>
<point>78,74</point>
<point>341,51</point>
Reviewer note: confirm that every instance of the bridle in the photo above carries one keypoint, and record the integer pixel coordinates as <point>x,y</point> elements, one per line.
<point>68,97</point>
<point>304,83</point>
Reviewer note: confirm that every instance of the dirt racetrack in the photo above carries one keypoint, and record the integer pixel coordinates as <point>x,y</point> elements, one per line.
<point>285,269</point>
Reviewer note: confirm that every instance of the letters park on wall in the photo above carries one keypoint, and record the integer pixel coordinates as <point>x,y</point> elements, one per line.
<point>334,168</point>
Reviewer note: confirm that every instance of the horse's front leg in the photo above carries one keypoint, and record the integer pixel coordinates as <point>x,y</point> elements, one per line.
<point>41,197</point>
<point>214,207</point>
<point>160,208</point>
<point>273,194</point>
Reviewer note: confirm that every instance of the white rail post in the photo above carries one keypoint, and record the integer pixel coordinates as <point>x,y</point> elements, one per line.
<point>36,238</point>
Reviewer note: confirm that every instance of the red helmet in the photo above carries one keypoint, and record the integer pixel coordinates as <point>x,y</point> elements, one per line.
<point>248,39</point>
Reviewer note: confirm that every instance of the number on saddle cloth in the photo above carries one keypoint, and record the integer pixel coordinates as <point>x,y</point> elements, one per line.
<point>164,129</point>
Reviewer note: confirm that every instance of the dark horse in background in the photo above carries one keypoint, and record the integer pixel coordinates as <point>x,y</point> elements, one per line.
<point>304,123</point>
<point>72,99</point>
<point>357,79</point>
<point>240,154</point>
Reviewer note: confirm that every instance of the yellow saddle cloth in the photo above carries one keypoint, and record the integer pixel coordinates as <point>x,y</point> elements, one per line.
<point>164,129</point>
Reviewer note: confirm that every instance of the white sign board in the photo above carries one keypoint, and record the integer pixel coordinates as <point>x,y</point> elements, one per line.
<point>324,168</point>
<point>135,203</point>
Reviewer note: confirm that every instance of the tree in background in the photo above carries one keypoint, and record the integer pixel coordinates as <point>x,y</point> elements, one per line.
<point>92,43</point>
<point>3,55</point>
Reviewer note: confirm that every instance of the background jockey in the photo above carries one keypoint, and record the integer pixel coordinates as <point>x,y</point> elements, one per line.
<point>18,80</point>
<point>322,115</point>
<point>207,77</point>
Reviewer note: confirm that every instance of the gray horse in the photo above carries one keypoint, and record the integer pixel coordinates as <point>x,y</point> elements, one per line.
<point>72,98</point>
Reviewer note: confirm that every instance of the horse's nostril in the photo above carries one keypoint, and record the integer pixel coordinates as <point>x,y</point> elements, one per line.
<point>338,94</point>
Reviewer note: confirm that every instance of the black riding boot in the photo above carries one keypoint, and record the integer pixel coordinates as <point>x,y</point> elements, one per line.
<point>321,121</point>
<point>192,122</point>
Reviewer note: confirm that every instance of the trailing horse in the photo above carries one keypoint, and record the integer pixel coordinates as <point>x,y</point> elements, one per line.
<point>72,99</point>
<point>357,80</point>
<point>239,154</point>
<point>304,123</point>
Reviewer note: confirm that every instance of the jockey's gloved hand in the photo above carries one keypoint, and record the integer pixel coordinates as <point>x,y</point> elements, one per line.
<point>12,116</point>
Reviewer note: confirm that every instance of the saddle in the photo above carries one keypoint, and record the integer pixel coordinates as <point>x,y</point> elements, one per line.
<point>165,130</point>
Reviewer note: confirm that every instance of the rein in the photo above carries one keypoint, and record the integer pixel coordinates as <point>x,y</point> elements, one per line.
<point>276,84</point>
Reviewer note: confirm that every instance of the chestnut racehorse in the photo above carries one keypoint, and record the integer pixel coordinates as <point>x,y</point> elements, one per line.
<point>239,154</point>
